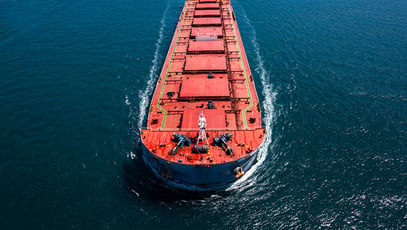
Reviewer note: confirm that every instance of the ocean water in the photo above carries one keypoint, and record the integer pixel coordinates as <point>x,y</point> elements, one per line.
<point>76,77</point>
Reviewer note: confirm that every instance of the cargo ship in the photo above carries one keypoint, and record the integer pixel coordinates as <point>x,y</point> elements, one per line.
<point>204,127</point>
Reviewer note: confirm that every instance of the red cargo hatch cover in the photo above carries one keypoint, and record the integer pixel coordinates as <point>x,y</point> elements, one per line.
<point>205,88</point>
<point>207,5</point>
<point>206,21</point>
<point>205,63</point>
<point>207,12</point>
<point>199,46</point>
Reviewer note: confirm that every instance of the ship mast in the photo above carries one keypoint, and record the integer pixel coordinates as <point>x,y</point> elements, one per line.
<point>202,128</point>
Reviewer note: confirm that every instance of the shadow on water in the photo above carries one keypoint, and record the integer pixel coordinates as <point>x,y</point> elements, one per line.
<point>141,182</point>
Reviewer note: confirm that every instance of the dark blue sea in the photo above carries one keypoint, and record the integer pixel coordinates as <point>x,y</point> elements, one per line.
<point>76,77</point>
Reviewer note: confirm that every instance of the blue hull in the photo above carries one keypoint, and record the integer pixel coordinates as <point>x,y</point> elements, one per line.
<point>197,177</point>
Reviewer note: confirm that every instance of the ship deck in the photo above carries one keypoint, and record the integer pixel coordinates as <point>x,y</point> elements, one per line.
<point>206,69</point>
<point>242,144</point>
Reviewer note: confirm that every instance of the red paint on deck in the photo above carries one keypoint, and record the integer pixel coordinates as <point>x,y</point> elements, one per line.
<point>202,31</point>
<point>208,46</point>
<point>207,22</point>
<point>205,88</point>
<point>207,1</point>
<point>205,63</point>
<point>184,89</point>
<point>207,6</point>
<point>214,122</point>
<point>207,13</point>
<point>242,143</point>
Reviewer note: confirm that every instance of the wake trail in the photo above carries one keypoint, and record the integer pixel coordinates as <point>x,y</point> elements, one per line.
<point>144,95</point>
<point>268,111</point>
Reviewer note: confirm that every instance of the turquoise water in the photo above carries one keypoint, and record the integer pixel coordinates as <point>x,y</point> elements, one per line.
<point>76,77</point>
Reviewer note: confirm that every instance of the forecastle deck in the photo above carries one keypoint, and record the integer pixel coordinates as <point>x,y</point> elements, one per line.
<point>206,69</point>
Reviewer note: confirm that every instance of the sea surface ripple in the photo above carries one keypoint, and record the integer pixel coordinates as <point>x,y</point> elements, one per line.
<point>77,76</point>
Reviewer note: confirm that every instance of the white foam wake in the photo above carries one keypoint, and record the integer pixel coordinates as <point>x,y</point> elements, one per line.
<point>144,95</point>
<point>268,109</point>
